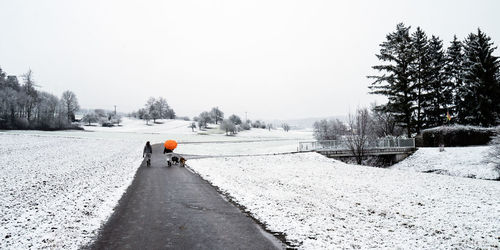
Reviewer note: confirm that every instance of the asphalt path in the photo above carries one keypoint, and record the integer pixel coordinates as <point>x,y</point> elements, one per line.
<point>173,208</point>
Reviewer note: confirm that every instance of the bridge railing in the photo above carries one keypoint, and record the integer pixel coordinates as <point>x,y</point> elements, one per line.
<point>343,144</point>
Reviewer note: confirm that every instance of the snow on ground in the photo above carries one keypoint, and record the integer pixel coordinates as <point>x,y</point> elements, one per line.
<point>320,203</point>
<point>238,148</point>
<point>455,161</point>
<point>55,192</point>
<point>181,130</point>
<point>254,141</point>
<point>58,187</point>
<point>139,126</point>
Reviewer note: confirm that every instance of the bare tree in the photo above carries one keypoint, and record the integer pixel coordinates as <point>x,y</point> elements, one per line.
<point>285,127</point>
<point>360,133</point>
<point>70,103</point>
<point>146,117</point>
<point>384,123</point>
<point>192,126</point>
<point>329,130</point>
<point>31,93</point>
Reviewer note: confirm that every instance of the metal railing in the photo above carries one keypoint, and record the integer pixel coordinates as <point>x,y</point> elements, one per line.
<point>343,144</point>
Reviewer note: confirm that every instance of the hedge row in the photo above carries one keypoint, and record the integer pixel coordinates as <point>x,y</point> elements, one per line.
<point>455,136</point>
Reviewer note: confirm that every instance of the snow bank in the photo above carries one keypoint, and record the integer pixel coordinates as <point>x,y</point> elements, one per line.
<point>456,161</point>
<point>55,192</point>
<point>320,203</point>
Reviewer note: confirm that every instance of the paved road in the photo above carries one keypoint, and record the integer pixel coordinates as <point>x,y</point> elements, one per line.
<point>172,208</point>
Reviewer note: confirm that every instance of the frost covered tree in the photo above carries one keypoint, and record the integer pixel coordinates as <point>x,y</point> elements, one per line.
<point>204,119</point>
<point>480,92</point>
<point>147,118</point>
<point>395,81</point>
<point>158,108</point>
<point>329,129</point>
<point>235,119</point>
<point>152,108</point>
<point>257,124</point>
<point>246,125</point>
<point>163,109</point>
<point>70,103</point>
<point>228,126</point>
<point>25,107</point>
<point>90,118</point>
<point>46,110</point>
<point>217,115</point>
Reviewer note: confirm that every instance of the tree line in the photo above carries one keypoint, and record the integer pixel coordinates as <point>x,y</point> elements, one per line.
<point>22,106</point>
<point>231,125</point>
<point>428,85</point>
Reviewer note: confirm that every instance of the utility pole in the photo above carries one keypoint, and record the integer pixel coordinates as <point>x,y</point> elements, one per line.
<point>246,118</point>
<point>115,109</point>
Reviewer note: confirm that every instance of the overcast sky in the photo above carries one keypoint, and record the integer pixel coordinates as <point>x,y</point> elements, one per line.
<point>272,59</point>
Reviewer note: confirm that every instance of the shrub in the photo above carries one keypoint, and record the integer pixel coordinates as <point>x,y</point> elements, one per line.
<point>456,136</point>
<point>495,151</point>
<point>21,123</point>
<point>245,126</point>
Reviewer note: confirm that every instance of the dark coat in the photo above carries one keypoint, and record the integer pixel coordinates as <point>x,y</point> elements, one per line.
<point>147,149</point>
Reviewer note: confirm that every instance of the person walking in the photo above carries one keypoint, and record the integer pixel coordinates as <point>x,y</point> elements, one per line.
<point>148,151</point>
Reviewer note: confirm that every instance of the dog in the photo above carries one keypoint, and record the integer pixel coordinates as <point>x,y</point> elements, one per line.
<point>182,161</point>
<point>175,159</point>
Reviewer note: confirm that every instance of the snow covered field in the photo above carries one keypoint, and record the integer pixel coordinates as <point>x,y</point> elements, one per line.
<point>456,161</point>
<point>180,130</point>
<point>56,192</point>
<point>320,203</point>
<point>57,188</point>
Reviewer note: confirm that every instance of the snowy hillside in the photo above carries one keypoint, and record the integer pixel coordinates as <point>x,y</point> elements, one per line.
<point>319,203</point>
<point>456,161</point>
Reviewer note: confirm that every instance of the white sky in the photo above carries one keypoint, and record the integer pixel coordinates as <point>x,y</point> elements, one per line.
<point>273,59</point>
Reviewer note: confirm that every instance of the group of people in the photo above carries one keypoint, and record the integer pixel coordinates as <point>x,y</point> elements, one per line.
<point>170,156</point>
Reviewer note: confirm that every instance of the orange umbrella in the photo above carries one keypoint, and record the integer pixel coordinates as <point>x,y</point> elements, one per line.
<point>170,144</point>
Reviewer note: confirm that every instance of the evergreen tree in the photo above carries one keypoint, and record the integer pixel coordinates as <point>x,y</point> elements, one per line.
<point>454,73</point>
<point>480,93</point>
<point>420,75</point>
<point>395,82</point>
<point>439,97</point>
